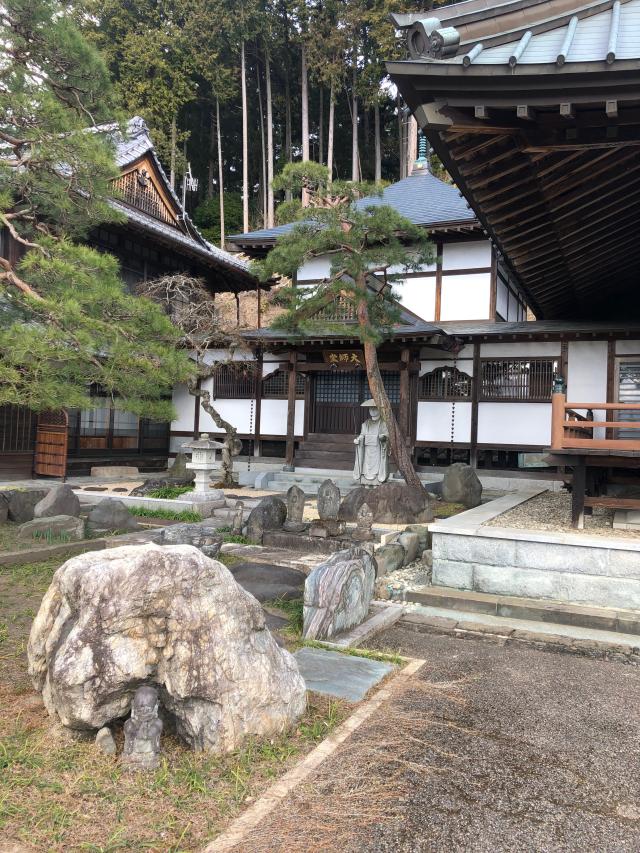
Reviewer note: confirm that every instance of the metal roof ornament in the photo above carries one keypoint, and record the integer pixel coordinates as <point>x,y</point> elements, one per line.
<point>427,39</point>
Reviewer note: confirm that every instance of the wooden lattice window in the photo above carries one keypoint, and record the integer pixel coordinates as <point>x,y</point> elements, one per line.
<point>17,429</point>
<point>445,383</point>
<point>528,379</point>
<point>340,310</point>
<point>137,189</point>
<point>235,381</point>
<point>276,385</point>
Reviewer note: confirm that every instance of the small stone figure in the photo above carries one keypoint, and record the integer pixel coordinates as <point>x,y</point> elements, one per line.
<point>142,731</point>
<point>105,741</point>
<point>371,466</point>
<point>295,510</point>
<point>364,522</point>
<point>328,508</point>
<point>238,519</point>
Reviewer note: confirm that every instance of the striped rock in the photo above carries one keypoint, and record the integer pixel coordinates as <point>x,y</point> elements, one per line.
<point>337,593</point>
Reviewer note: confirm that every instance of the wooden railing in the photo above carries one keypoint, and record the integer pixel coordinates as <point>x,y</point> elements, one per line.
<point>572,430</point>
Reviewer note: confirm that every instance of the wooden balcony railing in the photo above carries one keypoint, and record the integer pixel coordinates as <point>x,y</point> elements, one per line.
<point>570,430</point>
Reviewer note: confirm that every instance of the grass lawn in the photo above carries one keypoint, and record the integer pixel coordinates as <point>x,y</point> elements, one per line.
<point>60,794</point>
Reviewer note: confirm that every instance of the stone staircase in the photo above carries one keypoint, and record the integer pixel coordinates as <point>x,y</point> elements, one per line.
<point>309,480</point>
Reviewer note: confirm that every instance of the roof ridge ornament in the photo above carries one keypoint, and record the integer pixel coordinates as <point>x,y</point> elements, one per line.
<point>428,39</point>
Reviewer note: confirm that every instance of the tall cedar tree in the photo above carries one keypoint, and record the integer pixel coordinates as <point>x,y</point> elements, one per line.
<point>66,320</point>
<point>364,243</point>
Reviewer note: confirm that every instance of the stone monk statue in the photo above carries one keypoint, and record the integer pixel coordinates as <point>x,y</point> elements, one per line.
<point>372,449</point>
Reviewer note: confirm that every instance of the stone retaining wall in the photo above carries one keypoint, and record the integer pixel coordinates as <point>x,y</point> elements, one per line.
<point>595,570</point>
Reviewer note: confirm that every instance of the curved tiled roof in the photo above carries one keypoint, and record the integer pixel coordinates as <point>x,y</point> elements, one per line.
<point>421,197</point>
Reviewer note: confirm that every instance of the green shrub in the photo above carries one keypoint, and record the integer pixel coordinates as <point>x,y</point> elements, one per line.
<point>168,514</point>
<point>169,492</point>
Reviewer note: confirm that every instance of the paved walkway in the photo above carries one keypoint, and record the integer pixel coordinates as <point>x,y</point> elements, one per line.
<point>487,749</point>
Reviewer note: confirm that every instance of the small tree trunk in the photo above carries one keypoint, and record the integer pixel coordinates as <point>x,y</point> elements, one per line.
<point>262,147</point>
<point>231,441</point>
<point>270,212</point>
<point>172,164</point>
<point>245,142</point>
<point>401,142</point>
<point>305,115</point>
<point>321,126</point>
<point>220,175</point>
<point>332,110</point>
<point>378,143</point>
<point>397,441</point>
<point>355,160</point>
<point>288,147</point>
<point>211,167</point>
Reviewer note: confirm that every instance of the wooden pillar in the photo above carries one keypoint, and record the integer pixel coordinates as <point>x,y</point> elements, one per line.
<point>257,447</point>
<point>577,493</point>
<point>404,392</point>
<point>493,291</point>
<point>438,306</point>
<point>196,412</point>
<point>291,412</point>
<point>475,389</point>
<point>558,402</point>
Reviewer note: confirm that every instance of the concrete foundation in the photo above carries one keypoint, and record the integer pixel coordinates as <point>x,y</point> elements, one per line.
<point>591,570</point>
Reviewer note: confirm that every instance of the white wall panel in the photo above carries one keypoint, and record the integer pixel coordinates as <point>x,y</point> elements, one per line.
<point>462,256</point>
<point>520,349</point>
<point>315,268</point>
<point>418,295</point>
<point>465,297</point>
<point>273,417</point>
<point>434,422</point>
<point>628,347</point>
<point>514,423</point>
<point>502,296</point>
<point>185,407</point>
<point>587,377</point>
<point>236,412</point>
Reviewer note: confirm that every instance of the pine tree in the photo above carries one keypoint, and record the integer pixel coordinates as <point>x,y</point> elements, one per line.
<point>362,242</point>
<point>66,319</point>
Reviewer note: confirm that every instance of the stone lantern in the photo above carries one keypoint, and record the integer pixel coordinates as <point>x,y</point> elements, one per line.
<point>203,460</point>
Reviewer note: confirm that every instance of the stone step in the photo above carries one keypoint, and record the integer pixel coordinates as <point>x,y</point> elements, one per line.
<point>539,610</point>
<point>592,642</point>
<point>317,455</point>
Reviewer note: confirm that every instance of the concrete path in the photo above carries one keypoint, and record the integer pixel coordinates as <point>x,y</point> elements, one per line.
<point>486,748</point>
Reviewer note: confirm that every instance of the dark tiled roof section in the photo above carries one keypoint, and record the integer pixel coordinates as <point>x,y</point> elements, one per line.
<point>539,327</point>
<point>422,198</point>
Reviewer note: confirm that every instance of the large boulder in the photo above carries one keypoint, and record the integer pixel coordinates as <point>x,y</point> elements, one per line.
<point>172,618</point>
<point>461,485</point>
<point>391,503</point>
<point>110,515</point>
<point>179,470</point>
<point>22,503</point>
<point>269,514</point>
<point>59,501</point>
<point>4,508</point>
<point>411,544</point>
<point>201,536</point>
<point>62,527</point>
<point>337,593</point>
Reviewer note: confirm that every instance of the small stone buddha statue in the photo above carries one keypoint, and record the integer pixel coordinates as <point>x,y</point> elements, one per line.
<point>142,731</point>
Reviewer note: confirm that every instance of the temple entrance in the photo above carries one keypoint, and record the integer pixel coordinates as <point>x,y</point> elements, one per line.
<point>337,395</point>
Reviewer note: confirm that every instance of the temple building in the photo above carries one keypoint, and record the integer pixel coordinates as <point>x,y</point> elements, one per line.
<point>157,238</point>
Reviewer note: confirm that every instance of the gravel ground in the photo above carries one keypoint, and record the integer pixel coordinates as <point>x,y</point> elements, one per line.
<point>552,511</point>
<point>488,749</point>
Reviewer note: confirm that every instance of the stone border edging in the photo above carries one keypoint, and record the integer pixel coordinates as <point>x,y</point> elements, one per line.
<point>473,521</point>
<point>274,795</point>
<point>37,555</point>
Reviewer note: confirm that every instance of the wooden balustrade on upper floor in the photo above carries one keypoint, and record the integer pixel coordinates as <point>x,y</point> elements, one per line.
<point>571,430</point>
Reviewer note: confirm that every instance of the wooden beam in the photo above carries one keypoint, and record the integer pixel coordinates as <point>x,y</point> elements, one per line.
<point>438,298</point>
<point>475,385</point>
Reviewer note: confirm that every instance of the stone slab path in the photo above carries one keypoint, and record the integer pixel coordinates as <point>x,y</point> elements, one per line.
<point>486,749</point>
<point>336,674</point>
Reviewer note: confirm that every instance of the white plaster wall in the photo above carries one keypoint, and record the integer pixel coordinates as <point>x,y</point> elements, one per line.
<point>315,268</point>
<point>502,293</point>
<point>514,423</point>
<point>587,377</point>
<point>513,309</point>
<point>465,365</point>
<point>434,422</point>
<point>465,297</point>
<point>418,295</point>
<point>185,407</point>
<point>460,256</point>
<point>433,353</point>
<point>520,350</point>
<point>224,355</point>
<point>273,417</point>
<point>628,347</point>
<point>236,412</point>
